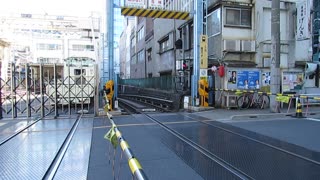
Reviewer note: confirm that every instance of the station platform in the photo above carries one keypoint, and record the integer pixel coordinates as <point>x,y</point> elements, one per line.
<point>257,143</point>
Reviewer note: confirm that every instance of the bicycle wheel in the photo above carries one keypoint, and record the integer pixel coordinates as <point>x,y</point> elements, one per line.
<point>243,102</point>
<point>264,101</point>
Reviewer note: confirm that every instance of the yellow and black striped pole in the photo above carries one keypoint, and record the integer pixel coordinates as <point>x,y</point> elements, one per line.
<point>134,164</point>
<point>299,109</point>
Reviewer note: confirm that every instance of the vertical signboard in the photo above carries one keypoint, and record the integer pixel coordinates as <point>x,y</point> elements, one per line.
<point>303,20</point>
<point>203,51</point>
<point>135,3</point>
<point>155,4</point>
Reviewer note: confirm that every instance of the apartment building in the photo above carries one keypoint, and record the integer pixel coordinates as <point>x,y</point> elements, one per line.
<point>46,38</point>
<point>4,55</point>
<point>124,47</point>
<point>239,39</point>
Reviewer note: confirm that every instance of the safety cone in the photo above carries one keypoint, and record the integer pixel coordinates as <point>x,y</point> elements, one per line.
<point>299,109</point>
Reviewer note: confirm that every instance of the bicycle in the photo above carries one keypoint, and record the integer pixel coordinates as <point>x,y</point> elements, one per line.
<point>248,99</point>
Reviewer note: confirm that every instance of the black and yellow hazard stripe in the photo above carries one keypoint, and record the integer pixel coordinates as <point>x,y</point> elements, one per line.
<point>135,166</point>
<point>154,13</point>
<point>299,109</point>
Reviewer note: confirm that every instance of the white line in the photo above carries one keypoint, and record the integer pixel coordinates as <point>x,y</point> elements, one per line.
<point>313,119</point>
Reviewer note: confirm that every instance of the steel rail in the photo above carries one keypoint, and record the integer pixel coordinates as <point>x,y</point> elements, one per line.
<point>54,166</point>
<point>19,131</point>
<point>232,169</point>
<point>260,142</point>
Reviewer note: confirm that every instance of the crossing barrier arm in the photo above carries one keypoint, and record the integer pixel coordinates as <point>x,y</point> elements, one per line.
<point>134,165</point>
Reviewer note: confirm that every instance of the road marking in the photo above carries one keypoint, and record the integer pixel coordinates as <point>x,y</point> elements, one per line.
<point>313,119</point>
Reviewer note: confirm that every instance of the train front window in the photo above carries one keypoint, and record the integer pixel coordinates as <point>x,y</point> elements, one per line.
<point>77,72</point>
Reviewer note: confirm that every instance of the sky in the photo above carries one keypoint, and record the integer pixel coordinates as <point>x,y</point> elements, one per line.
<point>81,8</point>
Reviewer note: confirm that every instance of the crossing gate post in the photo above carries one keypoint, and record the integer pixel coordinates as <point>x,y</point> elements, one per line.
<point>203,92</point>
<point>109,89</point>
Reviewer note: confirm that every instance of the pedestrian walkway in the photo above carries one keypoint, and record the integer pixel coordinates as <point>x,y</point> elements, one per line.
<point>238,114</point>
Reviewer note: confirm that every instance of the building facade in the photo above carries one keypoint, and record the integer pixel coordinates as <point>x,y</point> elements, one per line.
<point>38,38</point>
<point>239,39</point>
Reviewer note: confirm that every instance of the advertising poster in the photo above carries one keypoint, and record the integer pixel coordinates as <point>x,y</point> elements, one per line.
<point>155,4</point>
<point>244,79</point>
<point>292,81</point>
<point>253,78</point>
<point>265,80</point>
<point>242,82</point>
<point>232,79</point>
<point>135,3</point>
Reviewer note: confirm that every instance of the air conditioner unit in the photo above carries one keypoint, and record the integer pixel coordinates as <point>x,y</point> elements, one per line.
<point>248,46</point>
<point>231,45</point>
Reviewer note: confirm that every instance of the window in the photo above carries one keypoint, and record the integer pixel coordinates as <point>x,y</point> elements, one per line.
<point>82,47</point>
<point>43,46</point>
<point>141,34</point>
<point>149,54</point>
<point>26,15</point>
<point>191,35</point>
<point>141,56</point>
<point>164,44</point>
<point>47,60</point>
<point>214,23</point>
<point>133,59</point>
<point>133,42</point>
<point>238,17</point>
<point>78,72</point>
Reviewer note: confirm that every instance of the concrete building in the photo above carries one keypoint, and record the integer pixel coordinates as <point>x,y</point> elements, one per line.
<point>4,56</point>
<point>239,39</point>
<point>46,38</point>
<point>124,47</point>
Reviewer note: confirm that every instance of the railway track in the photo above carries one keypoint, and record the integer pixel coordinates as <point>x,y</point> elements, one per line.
<point>243,157</point>
<point>57,156</point>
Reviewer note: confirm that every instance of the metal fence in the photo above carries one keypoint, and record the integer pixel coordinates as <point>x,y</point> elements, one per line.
<point>43,90</point>
<point>162,83</point>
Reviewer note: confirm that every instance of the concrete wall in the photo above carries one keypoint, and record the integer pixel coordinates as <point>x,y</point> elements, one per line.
<point>165,61</point>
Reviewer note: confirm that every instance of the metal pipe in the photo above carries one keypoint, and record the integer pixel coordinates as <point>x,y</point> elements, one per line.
<point>197,30</point>
<point>55,91</point>
<point>133,163</point>
<point>28,90</point>
<point>82,87</point>
<point>69,91</point>
<point>41,90</point>
<point>13,91</point>
<point>96,90</point>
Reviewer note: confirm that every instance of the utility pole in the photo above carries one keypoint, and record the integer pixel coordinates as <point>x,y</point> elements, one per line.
<point>315,37</point>
<point>275,55</point>
<point>197,31</point>
<point>110,40</point>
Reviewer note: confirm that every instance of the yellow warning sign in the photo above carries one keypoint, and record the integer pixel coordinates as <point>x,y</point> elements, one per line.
<point>203,51</point>
<point>154,13</point>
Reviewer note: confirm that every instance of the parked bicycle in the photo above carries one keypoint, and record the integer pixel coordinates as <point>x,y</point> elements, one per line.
<point>252,99</point>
